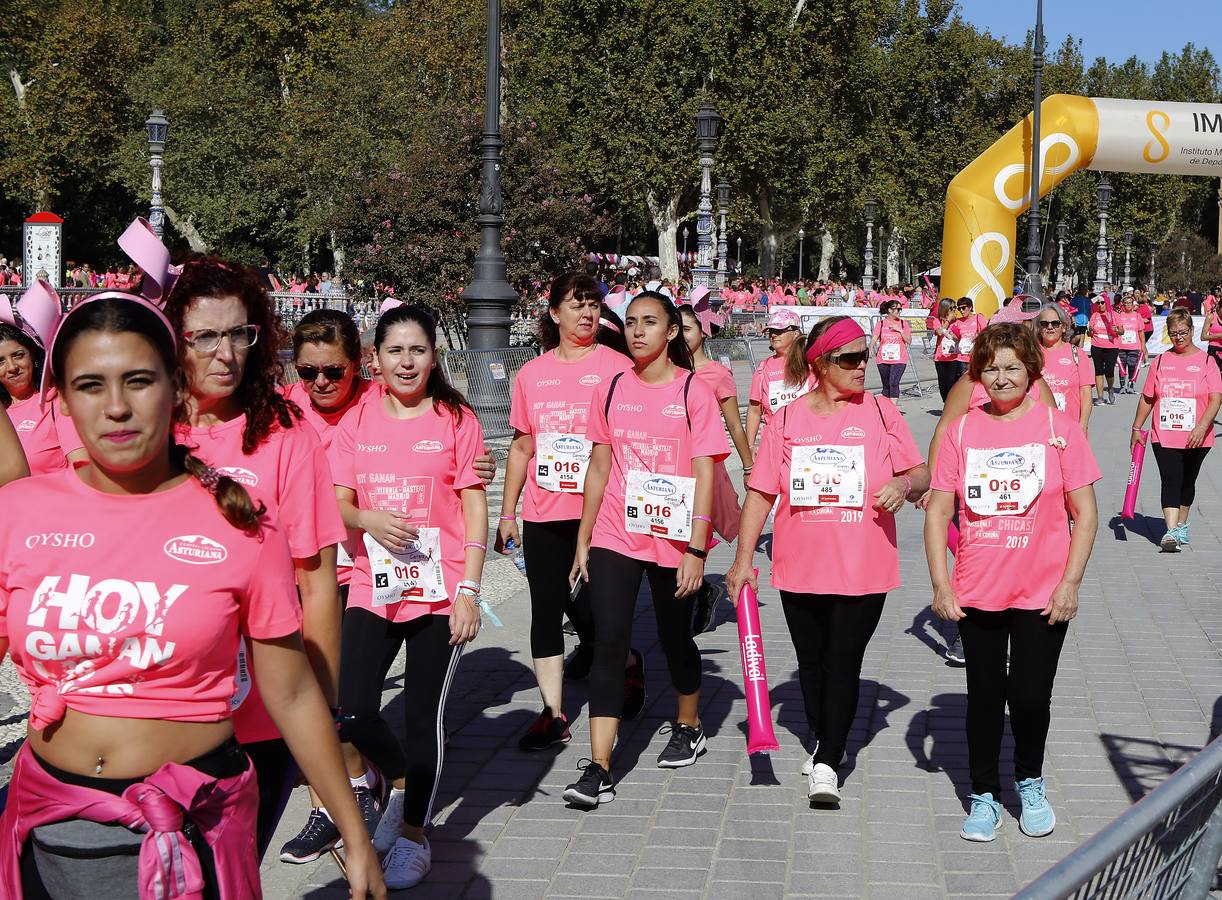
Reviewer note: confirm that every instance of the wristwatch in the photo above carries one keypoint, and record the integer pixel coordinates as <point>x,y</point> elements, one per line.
<point>699,554</point>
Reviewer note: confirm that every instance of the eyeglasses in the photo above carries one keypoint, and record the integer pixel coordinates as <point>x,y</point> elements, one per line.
<point>208,341</point>
<point>1051,323</point>
<point>850,361</point>
<point>310,373</point>
<point>1179,334</point>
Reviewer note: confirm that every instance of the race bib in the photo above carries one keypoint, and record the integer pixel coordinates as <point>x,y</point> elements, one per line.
<point>242,682</point>
<point>343,557</point>
<point>781,394</point>
<point>1004,481</point>
<point>413,575</point>
<point>1177,413</point>
<point>1060,400</point>
<point>1129,338</point>
<point>659,505</point>
<point>889,353</point>
<point>828,476</point>
<point>966,344</point>
<point>561,461</point>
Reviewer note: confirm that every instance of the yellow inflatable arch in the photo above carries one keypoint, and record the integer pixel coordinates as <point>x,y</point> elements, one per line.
<point>984,201</point>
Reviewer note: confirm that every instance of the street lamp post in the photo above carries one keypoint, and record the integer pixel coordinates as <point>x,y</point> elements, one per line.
<point>738,259</point>
<point>1150,277</point>
<point>867,278</point>
<point>1128,249</point>
<point>707,123</point>
<point>1061,229</point>
<point>158,128</point>
<point>1105,195</point>
<point>723,241</point>
<point>685,234</point>
<point>1034,285</point>
<point>801,247</point>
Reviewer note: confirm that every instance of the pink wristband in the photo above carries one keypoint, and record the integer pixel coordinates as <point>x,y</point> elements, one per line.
<point>475,544</point>
<point>702,519</point>
<point>509,518</point>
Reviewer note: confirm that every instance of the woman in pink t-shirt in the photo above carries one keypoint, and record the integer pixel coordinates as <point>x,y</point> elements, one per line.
<point>769,390</point>
<point>127,640</point>
<point>1016,467</point>
<point>1067,369</point>
<point>404,468</point>
<point>548,457</point>
<point>946,349</point>
<point>969,324</point>
<point>646,512</point>
<point>841,461</point>
<point>1104,349</point>
<point>238,421</point>
<point>1130,343</point>
<point>1211,330</point>
<point>1184,390</point>
<point>889,345</point>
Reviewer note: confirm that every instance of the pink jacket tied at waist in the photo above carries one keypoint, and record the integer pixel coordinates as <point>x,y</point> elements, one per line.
<point>223,810</point>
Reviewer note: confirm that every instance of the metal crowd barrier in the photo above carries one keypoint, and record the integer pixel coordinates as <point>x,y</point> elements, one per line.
<point>1166,846</point>
<point>485,377</point>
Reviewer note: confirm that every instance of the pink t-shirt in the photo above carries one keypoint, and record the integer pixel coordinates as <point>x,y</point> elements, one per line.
<point>1066,378</point>
<point>1014,561</point>
<point>47,436</point>
<point>648,431</point>
<point>944,347</point>
<point>1097,328</point>
<point>1178,377</point>
<point>770,389</point>
<point>551,396</point>
<point>415,467</point>
<point>719,379</point>
<point>893,349</point>
<point>325,423</point>
<point>1134,330</point>
<point>835,550</point>
<point>965,331</point>
<point>132,605</point>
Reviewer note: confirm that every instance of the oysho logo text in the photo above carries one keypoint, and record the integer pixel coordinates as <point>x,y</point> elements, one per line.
<point>84,540</point>
<point>371,448</point>
<point>548,382</point>
<point>629,407</point>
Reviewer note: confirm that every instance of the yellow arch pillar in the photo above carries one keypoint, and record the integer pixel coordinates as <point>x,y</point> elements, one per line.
<point>984,201</point>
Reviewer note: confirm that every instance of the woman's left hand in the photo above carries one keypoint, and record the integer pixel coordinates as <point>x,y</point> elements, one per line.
<point>1197,437</point>
<point>890,497</point>
<point>689,576</point>
<point>1063,604</point>
<point>485,467</point>
<point>464,619</point>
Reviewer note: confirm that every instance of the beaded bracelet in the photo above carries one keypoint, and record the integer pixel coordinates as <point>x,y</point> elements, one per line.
<point>475,544</point>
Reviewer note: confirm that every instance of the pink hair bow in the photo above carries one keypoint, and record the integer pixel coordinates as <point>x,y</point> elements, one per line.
<point>699,300</point>
<point>388,304</point>
<point>40,311</point>
<point>145,249</point>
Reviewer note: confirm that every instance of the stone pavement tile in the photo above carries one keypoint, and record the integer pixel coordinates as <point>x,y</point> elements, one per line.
<point>608,843</point>
<point>683,837</point>
<point>506,889</point>
<point>889,891</point>
<point>642,894</point>
<point>512,867</point>
<point>740,849</point>
<point>809,884</point>
<point>849,861</point>
<point>755,870</point>
<point>982,883</point>
<point>598,864</point>
<point>670,878</point>
<point>737,890</point>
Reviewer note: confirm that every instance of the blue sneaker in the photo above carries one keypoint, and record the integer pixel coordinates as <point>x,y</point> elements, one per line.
<point>983,821</point>
<point>1037,819</point>
<point>1181,533</point>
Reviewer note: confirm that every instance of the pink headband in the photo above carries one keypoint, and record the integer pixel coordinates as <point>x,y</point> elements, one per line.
<point>388,304</point>
<point>843,332</point>
<point>145,249</point>
<point>607,323</point>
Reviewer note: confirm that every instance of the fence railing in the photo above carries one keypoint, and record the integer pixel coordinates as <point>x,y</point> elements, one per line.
<point>1166,846</point>
<point>486,377</point>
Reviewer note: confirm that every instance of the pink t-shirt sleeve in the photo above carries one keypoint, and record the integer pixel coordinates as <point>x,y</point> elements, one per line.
<point>1213,376</point>
<point>723,384</point>
<point>341,456</point>
<point>268,608</point>
<point>766,475</point>
<point>708,435</point>
<point>468,444</point>
<point>519,409</point>
<point>759,393</point>
<point>877,333</point>
<point>597,429</point>
<point>308,510</point>
<point>947,471</point>
<point>901,448</point>
<point>1086,371</point>
<point>1147,386</point>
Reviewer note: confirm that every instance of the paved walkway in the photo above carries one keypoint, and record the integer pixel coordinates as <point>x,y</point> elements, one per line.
<point>1138,689</point>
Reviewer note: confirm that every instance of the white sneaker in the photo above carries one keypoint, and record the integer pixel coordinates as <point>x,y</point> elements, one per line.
<point>386,835</point>
<point>810,760</point>
<point>823,785</point>
<point>406,864</point>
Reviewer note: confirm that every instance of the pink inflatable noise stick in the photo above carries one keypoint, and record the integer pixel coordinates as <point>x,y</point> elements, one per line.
<point>1130,493</point>
<point>760,736</point>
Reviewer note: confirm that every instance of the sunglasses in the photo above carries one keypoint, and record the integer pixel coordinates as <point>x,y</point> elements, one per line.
<point>850,361</point>
<point>1051,323</point>
<point>310,373</point>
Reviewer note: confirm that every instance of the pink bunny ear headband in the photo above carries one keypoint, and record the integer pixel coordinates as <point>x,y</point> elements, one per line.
<point>699,301</point>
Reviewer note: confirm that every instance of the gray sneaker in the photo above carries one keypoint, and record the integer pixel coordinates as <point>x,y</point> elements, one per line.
<point>954,652</point>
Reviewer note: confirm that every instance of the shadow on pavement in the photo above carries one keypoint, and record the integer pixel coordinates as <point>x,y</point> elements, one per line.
<point>1143,526</point>
<point>925,624</point>
<point>1142,764</point>
<point>937,741</point>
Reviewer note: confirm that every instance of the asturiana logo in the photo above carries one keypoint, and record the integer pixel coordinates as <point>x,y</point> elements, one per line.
<point>674,411</point>
<point>427,446</point>
<point>241,476</point>
<point>1006,459</point>
<point>659,487</point>
<point>590,380</point>
<point>26,425</point>
<point>853,432</point>
<point>567,444</point>
<point>195,549</point>
<point>827,456</point>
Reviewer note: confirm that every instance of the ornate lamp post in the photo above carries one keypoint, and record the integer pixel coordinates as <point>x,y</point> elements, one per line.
<point>1034,285</point>
<point>1061,283</point>
<point>867,278</point>
<point>1150,278</point>
<point>685,234</point>
<point>801,244</point>
<point>1105,196</point>
<point>707,122</point>
<point>739,258</point>
<point>1128,249</point>
<point>158,128</point>
<point>489,296</point>
<point>723,249</point>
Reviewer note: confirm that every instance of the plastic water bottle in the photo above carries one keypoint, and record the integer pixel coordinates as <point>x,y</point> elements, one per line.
<point>516,554</point>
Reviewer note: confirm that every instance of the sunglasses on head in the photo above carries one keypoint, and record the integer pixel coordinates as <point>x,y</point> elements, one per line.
<point>850,361</point>
<point>333,373</point>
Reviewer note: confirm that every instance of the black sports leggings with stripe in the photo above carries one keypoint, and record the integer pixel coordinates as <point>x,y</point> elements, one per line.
<point>368,649</point>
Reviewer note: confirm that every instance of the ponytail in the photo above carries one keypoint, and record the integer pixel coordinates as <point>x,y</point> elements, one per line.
<point>232,500</point>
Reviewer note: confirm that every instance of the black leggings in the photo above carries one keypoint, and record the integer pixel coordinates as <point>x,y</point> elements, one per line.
<point>1104,359</point>
<point>615,580</point>
<point>1179,470</point>
<point>549,548</point>
<point>830,633</point>
<point>276,774</point>
<point>949,371</point>
<point>369,647</point>
<point>1034,647</point>
<point>891,373</point>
